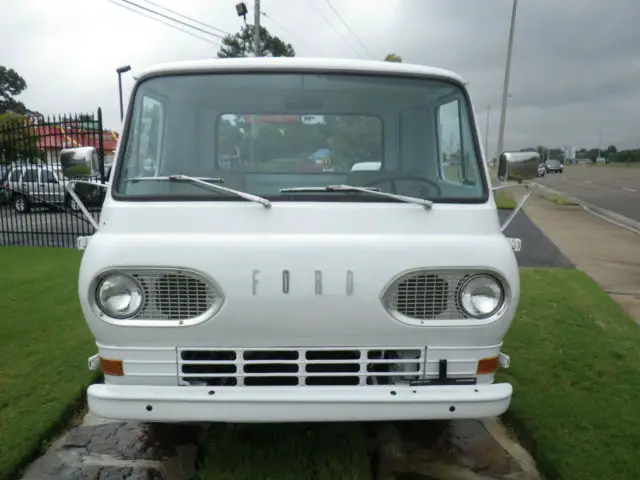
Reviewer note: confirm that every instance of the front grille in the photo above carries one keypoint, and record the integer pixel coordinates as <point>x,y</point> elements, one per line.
<point>173,295</point>
<point>300,367</point>
<point>427,295</point>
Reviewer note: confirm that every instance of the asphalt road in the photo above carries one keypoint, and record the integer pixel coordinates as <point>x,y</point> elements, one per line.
<point>612,188</point>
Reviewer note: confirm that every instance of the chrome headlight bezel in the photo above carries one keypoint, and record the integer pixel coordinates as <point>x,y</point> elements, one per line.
<point>127,282</point>
<point>148,277</point>
<point>493,284</point>
<point>456,276</point>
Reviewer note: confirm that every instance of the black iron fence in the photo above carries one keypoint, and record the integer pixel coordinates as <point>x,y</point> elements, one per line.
<point>39,157</point>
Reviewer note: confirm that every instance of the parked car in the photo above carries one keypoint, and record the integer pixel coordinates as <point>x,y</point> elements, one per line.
<point>554,166</point>
<point>542,169</point>
<point>44,185</point>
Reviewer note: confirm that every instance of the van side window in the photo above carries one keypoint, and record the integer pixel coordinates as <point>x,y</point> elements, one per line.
<point>456,156</point>
<point>145,140</point>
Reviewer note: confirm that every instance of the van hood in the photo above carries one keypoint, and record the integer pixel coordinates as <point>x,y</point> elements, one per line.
<point>339,257</point>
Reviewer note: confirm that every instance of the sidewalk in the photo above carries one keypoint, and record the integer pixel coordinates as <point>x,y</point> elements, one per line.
<point>607,253</point>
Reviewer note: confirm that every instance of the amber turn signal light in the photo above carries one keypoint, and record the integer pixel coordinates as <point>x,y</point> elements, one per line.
<point>111,367</point>
<point>487,365</point>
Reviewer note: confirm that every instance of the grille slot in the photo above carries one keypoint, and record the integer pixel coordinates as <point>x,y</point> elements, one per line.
<point>300,367</point>
<point>427,295</point>
<point>175,295</point>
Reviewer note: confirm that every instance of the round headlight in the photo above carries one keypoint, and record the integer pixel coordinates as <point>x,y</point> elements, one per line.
<point>119,296</point>
<point>481,296</point>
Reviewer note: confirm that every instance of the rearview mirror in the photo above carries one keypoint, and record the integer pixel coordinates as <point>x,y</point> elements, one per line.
<point>518,166</point>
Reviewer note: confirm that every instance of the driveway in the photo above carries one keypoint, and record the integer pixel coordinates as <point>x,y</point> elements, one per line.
<point>612,188</point>
<point>537,249</point>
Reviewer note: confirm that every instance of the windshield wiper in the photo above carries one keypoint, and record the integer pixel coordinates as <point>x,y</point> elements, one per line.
<point>204,182</point>
<point>427,204</point>
<point>169,178</point>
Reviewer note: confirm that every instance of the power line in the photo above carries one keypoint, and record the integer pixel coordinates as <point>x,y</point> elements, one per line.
<point>164,23</point>
<point>172,19</point>
<point>334,28</point>
<point>286,30</point>
<point>207,25</point>
<point>349,28</point>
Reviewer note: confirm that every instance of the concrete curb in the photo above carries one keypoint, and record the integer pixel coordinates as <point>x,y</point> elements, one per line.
<point>607,215</point>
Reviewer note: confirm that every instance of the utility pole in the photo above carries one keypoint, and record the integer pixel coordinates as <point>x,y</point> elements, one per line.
<point>505,88</point>
<point>486,136</point>
<point>256,28</point>
<point>256,53</point>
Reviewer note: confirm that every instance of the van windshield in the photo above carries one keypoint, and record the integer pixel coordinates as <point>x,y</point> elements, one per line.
<point>267,132</point>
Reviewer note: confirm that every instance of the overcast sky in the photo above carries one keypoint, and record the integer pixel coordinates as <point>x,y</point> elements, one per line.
<point>575,69</point>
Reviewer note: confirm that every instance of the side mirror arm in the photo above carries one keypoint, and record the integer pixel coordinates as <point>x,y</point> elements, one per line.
<point>520,203</point>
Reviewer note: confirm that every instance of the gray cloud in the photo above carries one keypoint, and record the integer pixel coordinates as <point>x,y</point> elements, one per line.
<point>575,70</point>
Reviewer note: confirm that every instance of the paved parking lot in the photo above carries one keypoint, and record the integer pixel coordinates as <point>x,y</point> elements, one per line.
<point>42,228</point>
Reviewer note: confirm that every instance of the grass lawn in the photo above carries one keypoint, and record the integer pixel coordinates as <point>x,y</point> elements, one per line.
<point>43,349</point>
<point>559,199</point>
<point>504,200</point>
<point>575,370</point>
<point>286,452</point>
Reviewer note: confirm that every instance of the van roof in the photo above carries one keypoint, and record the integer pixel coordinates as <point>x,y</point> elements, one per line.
<point>288,63</point>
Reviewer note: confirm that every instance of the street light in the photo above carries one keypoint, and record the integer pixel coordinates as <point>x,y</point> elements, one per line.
<point>121,70</point>
<point>505,89</point>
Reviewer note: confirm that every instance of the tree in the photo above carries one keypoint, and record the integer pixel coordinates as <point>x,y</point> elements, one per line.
<point>17,138</point>
<point>543,152</point>
<point>241,44</point>
<point>11,84</point>
<point>354,139</point>
<point>392,57</point>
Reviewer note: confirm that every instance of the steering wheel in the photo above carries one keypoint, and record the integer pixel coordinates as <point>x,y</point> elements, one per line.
<point>392,179</point>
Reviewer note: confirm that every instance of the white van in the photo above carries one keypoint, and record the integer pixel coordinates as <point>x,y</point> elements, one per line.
<point>246,294</point>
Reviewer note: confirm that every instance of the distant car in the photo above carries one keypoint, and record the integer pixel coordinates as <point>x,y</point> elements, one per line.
<point>554,166</point>
<point>542,169</point>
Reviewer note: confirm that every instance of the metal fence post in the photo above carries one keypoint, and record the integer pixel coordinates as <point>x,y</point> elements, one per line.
<point>101,145</point>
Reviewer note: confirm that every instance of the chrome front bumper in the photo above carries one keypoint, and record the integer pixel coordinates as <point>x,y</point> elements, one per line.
<point>295,404</point>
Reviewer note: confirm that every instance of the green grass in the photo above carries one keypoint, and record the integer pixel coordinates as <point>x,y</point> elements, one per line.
<point>286,452</point>
<point>575,370</point>
<point>44,347</point>
<point>560,200</point>
<point>504,200</point>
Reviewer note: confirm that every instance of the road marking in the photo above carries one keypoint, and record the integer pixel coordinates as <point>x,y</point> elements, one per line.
<point>588,181</point>
<point>627,189</point>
